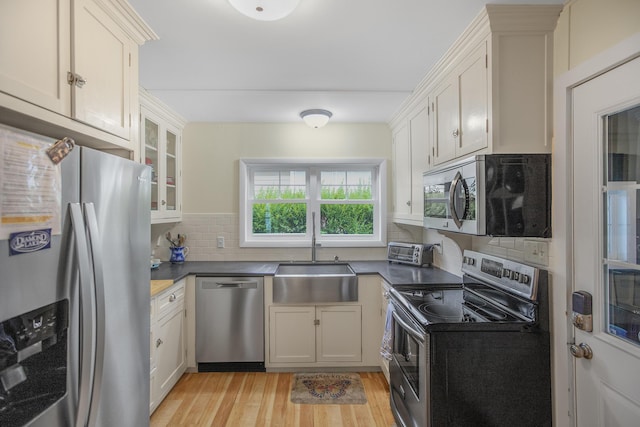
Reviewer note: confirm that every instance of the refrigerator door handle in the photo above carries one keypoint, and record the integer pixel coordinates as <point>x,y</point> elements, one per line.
<point>87,310</point>
<point>98,277</point>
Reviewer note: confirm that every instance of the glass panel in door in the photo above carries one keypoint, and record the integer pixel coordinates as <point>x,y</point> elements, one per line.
<point>172,169</point>
<point>622,224</point>
<point>151,134</point>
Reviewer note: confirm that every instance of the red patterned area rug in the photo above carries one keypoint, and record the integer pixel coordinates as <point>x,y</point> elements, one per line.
<point>333,389</point>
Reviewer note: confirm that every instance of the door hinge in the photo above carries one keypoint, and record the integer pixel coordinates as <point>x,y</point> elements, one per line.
<point>486,60</point>
<point>129,60</point>
<point>316,322</point>
<point>487,125</point>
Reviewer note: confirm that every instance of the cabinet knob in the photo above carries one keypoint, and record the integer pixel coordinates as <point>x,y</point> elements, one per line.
<point>456,133</point>
<point>158,342</point>
<point>172,297</point>
<point>408,202</point>
<point>76,79</point>
<point>164,202</point>
<point>80,81</point>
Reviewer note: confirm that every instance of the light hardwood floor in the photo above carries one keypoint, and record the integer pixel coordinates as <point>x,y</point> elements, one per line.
<point>243,399</point>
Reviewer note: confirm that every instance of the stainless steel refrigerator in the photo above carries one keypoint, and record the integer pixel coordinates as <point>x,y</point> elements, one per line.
<point>74,316</point>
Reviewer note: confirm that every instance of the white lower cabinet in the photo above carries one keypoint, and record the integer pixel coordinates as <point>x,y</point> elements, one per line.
<point>339,333</point>
<point>308,334</point>
<point>168,341</point>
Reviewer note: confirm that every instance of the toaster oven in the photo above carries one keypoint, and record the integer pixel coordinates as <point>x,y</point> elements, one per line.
<point>417,254</point>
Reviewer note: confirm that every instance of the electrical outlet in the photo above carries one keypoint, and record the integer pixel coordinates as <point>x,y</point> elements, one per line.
<point>536,252</point>
<point>220,241</point>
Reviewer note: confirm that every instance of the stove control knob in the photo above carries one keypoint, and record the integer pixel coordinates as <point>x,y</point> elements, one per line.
<point>524,278</point>
<point>515,275</point>
<point>472,261</point>
<point>506,273</point>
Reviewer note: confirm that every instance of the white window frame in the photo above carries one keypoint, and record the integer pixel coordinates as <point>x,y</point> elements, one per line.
<point>313,201</point>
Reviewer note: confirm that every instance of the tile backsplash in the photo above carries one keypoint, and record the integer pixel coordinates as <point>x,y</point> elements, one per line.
<point>204,230</point>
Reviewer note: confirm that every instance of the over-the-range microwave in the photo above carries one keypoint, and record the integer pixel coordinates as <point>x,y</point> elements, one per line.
<point>496,195</point>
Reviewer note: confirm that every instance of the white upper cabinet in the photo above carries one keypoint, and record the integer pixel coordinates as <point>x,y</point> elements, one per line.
<point>101,71</point>
<point>401,159</point>
<point>161,149</point>
<point>460,108</point>
<point>73,66</point>
<point>410,160</point>
<point>419,138</point>
<point>491,91</point>
<point>34,52</point>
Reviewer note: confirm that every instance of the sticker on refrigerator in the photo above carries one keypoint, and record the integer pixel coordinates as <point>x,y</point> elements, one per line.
<point>30,184</point>
<point>29,241</point>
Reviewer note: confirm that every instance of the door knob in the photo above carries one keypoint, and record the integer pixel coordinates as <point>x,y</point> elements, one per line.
<point>581,350</point>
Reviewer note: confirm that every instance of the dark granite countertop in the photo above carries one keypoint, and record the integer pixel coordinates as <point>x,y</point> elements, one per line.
<point>395,274</point>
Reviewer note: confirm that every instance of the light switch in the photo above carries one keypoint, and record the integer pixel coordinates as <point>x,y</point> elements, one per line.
<point>220,241</point>
<point>536,252</point>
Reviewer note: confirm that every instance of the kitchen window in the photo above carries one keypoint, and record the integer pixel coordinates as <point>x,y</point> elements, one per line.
<point>279,200</point>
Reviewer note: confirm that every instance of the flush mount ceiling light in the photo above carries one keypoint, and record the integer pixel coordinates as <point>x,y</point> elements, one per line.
<point>265,10</point>
<point>316,118</point>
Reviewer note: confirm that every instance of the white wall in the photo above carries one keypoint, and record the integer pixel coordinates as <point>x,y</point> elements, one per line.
<point>211,152</point>
<point>588,27</point>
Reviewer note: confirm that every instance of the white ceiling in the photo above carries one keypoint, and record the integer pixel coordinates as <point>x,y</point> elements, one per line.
<point>359,59</point>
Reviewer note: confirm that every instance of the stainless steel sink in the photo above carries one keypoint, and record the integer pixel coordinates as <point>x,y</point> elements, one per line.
<point>314,283</point>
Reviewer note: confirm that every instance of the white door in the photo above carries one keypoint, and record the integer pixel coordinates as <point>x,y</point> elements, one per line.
<point>606,245</point>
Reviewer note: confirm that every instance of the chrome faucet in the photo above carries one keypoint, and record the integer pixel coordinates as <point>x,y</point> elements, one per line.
<point>313,237</point>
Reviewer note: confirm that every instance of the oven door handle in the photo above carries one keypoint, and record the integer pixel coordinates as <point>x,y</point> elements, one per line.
<point>411,331</point>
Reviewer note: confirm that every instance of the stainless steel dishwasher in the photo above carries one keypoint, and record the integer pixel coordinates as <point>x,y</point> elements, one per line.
<point>230,324</point>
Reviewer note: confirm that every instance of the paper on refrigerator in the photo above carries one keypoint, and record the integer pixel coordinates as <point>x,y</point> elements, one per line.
<point>30,184</point>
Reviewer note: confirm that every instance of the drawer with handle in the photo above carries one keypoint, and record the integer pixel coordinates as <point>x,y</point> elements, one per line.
<point>171,298</point>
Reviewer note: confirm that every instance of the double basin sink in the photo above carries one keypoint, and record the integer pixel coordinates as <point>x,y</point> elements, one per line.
<point>308,283</point>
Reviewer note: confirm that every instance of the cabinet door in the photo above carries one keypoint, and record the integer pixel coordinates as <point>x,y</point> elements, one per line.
<point>339,335</point>
<point>161,146</point>
<point>292,334</point>
<point>419,136</point>
<point>446,120</point>
<point>474,92</point>
<point>102,57</point>
<point>34,58</point>
<point>402,172</point>
<point>150,130</point>
<point>153,392</point>
<point>172,194</point>
<point>171,358</point>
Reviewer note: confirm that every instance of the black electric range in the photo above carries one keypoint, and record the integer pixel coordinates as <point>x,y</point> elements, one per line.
<point>477,353</point>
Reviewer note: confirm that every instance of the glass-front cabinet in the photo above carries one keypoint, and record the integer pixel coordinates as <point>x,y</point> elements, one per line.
<point>622,224</point>
<point>161,139</point>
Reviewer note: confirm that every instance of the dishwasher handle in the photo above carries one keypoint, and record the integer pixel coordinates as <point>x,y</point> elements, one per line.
<point>236,284</point>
